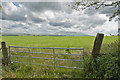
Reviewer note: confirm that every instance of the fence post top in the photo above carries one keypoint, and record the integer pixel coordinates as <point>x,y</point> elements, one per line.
<point>100,34</point>
<point>3,42</point>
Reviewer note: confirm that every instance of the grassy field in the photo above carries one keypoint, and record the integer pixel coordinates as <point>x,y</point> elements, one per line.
<point>55,41</point>
<point>34,71</point>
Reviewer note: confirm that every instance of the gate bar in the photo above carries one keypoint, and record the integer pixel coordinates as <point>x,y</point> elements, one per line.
<point>47,47</point>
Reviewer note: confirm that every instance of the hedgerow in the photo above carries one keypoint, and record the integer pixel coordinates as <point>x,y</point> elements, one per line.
<point>105,65</point>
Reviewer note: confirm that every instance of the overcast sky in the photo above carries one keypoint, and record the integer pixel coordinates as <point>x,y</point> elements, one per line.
<point>53,17</point>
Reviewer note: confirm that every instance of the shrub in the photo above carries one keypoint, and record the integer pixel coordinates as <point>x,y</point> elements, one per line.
<point>68,50</point>
<point>105,65</point>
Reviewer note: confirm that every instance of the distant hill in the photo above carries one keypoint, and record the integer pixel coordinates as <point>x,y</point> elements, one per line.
<point>61,33</point>
<point>68,33</point>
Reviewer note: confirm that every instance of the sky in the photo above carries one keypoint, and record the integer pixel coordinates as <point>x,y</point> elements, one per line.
<point>54,18</point>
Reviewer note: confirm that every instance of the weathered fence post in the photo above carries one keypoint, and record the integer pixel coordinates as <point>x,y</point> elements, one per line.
<point>5,59</point>
<point>97,44</point>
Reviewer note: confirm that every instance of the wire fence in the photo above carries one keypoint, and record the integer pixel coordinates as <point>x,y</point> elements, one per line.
<point>47,56</point>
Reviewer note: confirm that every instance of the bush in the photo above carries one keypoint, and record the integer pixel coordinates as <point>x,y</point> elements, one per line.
<point>68,50</point>
<point>105,65</point>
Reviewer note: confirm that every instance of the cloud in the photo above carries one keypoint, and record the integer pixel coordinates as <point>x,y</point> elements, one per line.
<point>11,12</point>
<point>43,6</point>
<point>52,17</point>
<point>94,21</point>
<point>108,10</point>
<point>36,19</point>
<point>66,24</point>
<point>8,26</point>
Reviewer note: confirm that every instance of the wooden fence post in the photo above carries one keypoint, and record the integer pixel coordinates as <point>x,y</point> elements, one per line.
<point>97,44</point>
<point>5,59</point>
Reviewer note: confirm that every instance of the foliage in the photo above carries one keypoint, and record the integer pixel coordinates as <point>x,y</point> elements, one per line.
<point>111,48</point>
<point>104,66</point>
<point>68,50</point>
<point>97,5</point>
<point>0,10</point>
<point>0,7</point>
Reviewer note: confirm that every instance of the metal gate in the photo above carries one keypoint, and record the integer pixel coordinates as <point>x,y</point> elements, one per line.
<point>54,57</point>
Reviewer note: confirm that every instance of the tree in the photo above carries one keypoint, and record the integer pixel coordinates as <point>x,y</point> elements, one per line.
<point>0,7</point>
<point>0,10</point>
<point>97,5</point>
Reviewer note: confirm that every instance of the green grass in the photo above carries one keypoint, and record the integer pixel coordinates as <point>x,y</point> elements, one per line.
<point>34,71</point>
<point>55,41</point>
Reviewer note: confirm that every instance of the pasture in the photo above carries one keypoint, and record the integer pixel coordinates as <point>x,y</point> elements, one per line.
<point>35,71</point>
<point>85,42</point>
